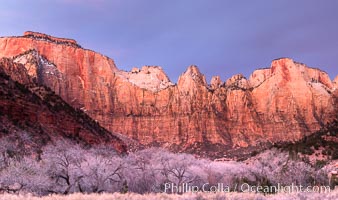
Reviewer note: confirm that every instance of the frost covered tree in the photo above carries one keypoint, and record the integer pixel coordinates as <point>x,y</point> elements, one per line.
<point>65,167</point>
<point>175,168</point>
<point>25,175</point>
<point>100,173</point>
<point>280,167</point>
<point>63,164</point>
<point>140,172</point>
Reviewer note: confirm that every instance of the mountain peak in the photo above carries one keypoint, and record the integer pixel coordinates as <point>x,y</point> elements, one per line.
<point>151,78</point>
<point>281,103</point>
<point>215,82</point>
<point>193,69</point>
<point>42,36</point>
<point>192,75</point>
<point>335,82</point>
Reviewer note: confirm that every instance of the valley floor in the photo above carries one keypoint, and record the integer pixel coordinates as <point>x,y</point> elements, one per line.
<point>333,195</point>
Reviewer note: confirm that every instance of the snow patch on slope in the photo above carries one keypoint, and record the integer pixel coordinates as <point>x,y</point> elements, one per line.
<point>148,77</point>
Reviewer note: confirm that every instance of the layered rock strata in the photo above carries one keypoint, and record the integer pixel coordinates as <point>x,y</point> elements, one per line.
<point>281,103</point>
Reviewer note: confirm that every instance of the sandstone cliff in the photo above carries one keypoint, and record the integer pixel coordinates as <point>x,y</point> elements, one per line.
<point>32,115</point>
<point>280,103</point>
<point>335,83</point>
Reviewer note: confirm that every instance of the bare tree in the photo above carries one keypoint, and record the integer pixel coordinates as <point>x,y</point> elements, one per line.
<point>176,168</point>
<point>101,174</point>
<point>26,174</point>
<point>140,173</point>
<point>63,166</point>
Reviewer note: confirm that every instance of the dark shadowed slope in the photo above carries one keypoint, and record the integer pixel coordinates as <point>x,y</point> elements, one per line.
<point>32,115</point>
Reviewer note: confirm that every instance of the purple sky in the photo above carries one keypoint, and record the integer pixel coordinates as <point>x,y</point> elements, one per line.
<point>221,37</point>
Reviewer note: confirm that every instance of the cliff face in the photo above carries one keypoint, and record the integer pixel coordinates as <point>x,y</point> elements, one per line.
<point>335,83</point>
<point>284,102</point>
<point>292,98</point>
<point>38,116</point>
<point>83,71</point>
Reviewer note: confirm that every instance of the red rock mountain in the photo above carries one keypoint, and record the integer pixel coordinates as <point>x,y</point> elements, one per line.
<point>280,103</point>
<point>31,116</point>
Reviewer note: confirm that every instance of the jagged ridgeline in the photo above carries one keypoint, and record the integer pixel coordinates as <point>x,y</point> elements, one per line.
<point>284,102</point>
<point>41,36</point>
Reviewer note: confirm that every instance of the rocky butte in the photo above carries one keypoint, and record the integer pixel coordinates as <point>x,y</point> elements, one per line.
<point>284,102</point>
